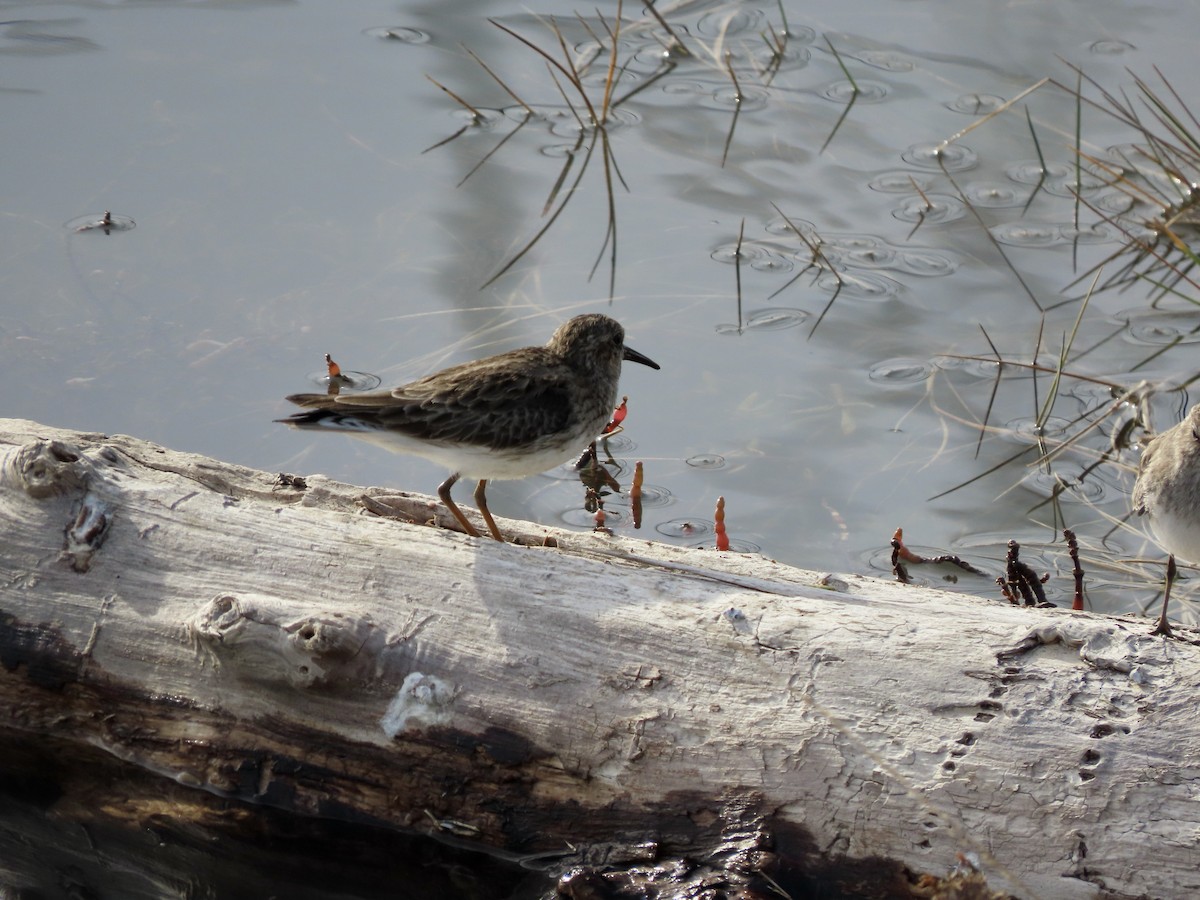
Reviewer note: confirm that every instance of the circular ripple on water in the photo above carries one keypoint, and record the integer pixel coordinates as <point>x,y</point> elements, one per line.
<point>564,123</point>
<point>1127,157</point>
<point>900,182</point>
<point>1045,484</point>
<point>725,24</point>
<point>400,33</point>
<point>768,59</point>
<point>772,263</point>
<point>887,60</point>
<point>485,121</point>
<point>1114,201</point>
<point>579,517</point>
<point>746,98</point>
<point>978,368</point>
<point>882,257</point>
<point>1034,552</point>
<point>1073,184</point>
<point>685,528</point>
<point>1110,47</point>
<point>775,319</point>
<point>926,263</point>
<point>797,34</point>
<point>975,104</point>
<point>900,372</point>
<point>936,157</point>
<point>746,254</point>
<point>653,496</point>
<point>865,286</point>
<point>932,209</point>
<point>619,444</point>
<point>706,461</point>
<point>735,546</point>
<point>1161,329</point>
<point>347,383</point>
<point>1098,233</point>
<point>853,242</point>
<point>1093,396</point>
<point>1028,234</point>
<point>103,223</point>
<point>559,151</point>
<point>860,92</point>
<point>599,77</point>
<point>686,88</point>
<point>780,225</point>
<point>653,55</point>
<point>995,195</point>
<point>568,126</point>
<point>1025,429</point>
<point>1033,172</point>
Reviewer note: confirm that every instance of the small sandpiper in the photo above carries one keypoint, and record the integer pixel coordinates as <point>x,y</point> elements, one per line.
<point>1168,491</point>
<point>504,417</point>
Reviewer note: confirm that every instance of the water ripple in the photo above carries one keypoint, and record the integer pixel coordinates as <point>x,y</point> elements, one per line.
<point>776,318</point>
<point>1046,484</point>
<point>1033,172</point>
<point>748,252</point>
<point>685,528</point>
<point>653,496</point>
<point>975,104</point>
<point>936,157</point>
<point>860,92</point>
<point>900,182</point>
<point>1157,329</point>
<point>399,33</point>
<point>578,517</point>
<point>925,263</point>
<point>1027,234</point>
<point>780,225</point>
<point>1025,429</point>
<point>1110,47</point>
<point>885,59</point>
<point>992,195</point>
<point>105,223</point>
<point>932,208</point>
<point>864,286</point>
<point>747,98</point>
<point>900,372</point>
<point>723,23</point>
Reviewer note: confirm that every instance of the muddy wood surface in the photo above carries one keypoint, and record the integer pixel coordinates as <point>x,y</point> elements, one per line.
<point>605,701</point>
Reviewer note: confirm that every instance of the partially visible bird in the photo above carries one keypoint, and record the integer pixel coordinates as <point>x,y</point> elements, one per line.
<point>1167,490</point>
<point>504,417</point>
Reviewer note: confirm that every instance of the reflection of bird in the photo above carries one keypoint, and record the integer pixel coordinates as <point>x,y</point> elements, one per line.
<point>503,417</point>
<point>1168,491</point>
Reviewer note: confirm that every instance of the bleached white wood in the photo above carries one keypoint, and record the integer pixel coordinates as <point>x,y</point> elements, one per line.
<point>283,646</point>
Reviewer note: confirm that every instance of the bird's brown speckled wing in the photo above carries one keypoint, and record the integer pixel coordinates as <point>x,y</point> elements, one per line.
<point>502,402</point>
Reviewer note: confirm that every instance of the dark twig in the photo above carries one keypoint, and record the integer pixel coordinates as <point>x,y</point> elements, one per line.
<point>1021,579</point>
<point>901,552</point>
<point>1077,571</point>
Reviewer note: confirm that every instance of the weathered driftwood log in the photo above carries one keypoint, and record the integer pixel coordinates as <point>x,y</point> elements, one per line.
<point>271,641</point>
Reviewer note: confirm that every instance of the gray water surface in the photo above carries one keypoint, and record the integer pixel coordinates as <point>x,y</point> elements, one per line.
<point>275,159</point>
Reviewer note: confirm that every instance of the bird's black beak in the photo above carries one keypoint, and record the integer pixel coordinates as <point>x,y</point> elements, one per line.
<point>633,356</point>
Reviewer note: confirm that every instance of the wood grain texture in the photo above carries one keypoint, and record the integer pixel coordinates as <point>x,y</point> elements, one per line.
<point>282,646</point>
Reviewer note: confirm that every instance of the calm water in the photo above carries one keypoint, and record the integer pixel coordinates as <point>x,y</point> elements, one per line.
<point>275,158</point>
